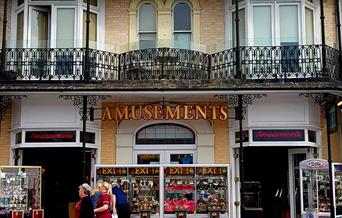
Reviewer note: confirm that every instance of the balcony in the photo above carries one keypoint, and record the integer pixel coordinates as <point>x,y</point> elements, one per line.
<point>272,63</point>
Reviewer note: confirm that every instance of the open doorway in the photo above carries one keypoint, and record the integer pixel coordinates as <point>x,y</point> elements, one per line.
<point>266,182</point>
<point>61,176</point>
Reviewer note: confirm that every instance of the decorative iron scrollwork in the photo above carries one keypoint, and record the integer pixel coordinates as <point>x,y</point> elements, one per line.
<point>321,98</point>
<point>92,101</point>
<point>5,100</point>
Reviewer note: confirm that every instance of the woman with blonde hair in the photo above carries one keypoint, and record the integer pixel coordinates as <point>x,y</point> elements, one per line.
<point>96,193</point>
<point>104,203</point>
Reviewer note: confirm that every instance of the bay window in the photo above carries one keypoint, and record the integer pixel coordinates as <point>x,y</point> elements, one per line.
<point>56,23</point>
<point>276,23</point>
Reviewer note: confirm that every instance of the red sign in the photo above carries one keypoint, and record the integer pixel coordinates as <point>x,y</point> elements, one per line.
<point>278,135</point>
<point>38,213</point>
<point>50,136</point>
<point>179,171</point>
<point>112,171</point>
<point>17,214</point>
<point>144,171</point>
<point>211,171</point>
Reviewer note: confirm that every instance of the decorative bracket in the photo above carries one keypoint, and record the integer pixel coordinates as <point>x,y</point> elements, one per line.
<point>5,100</point>
<point>92,101</point>
<point>233,100</point>
<point>321,98</point>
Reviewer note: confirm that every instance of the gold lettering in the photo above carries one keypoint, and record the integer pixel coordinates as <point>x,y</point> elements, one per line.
<point>134,110</point>
<point>173,115</point>
<point>213,108</point>
<point>224,113</point>
<point>147,112</point>
<point>106,114</point>
<point>121,115</point>
<point>158,112</point>
<point>188,112</point>
<point>203,113</point>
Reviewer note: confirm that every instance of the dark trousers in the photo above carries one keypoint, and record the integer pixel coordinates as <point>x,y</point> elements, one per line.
<point>123,210</point>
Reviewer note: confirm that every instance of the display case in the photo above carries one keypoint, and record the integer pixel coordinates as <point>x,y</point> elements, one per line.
<point>20,189</point>
<point>141,183</point>
<point>179,189</point>
<point>337,178</point>
<point>315,188</point>
<point>196,189</point>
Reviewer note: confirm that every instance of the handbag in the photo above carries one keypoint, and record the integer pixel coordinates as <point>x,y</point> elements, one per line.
<point>115,215</point>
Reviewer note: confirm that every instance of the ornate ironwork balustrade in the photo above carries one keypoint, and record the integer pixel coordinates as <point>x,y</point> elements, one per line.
<point>277,62</point>
<point>257,62</point>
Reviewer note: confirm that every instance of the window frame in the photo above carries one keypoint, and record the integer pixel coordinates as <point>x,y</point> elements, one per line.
<point>147,32</point>
<point>182,31</point>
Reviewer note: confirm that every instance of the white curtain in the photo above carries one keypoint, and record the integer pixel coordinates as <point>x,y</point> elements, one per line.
<point>65,28</point>
<point>262,25</point>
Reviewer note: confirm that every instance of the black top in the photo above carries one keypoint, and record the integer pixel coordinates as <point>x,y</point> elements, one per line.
<point>87,209</point>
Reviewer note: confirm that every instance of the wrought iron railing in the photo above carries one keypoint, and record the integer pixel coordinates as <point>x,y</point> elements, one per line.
<point>262,62</point>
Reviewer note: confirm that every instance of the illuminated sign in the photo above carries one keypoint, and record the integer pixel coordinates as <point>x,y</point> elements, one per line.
<point>50,136</point>
<point>179,171</point>
<point>165,112</point>
<point>112,171</point>
<point>211,170</point>
<point>144,171</point>
<point>278,135</point>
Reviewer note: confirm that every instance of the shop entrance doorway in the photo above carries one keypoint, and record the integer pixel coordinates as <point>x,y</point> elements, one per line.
<point>270,175</point>
<point>61,176</point>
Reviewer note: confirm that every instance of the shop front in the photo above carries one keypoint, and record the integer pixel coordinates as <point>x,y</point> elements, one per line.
<point>47,132</point>
<point>278,133</point>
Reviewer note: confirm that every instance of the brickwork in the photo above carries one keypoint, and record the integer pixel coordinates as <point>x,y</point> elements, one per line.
<point>108,142</point>
<point>5,137</point>
<point>221,145</point>
<point>212,24</point>
<point>8,29</point>
<point>330,22</point>
<point>117,23</point>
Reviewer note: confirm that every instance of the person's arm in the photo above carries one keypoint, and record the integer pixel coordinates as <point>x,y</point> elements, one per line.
<point>114,202</point>
<point>104,207</point>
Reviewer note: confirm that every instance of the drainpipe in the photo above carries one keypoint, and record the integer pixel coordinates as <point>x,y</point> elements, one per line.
<point>3,48</point>
<point>331,195</point>
<point>86,75</point>
<point>338,27</point>
<point>324,53</point>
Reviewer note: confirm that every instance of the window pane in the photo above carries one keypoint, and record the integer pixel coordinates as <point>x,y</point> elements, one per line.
<point>309,26</point>
<point>20,29</point>
<point>182,40</point>
<point>262,25</point>
<point>165,134</point>
<point>182,17</point>
<point>92,29</point>
<point>39,29</point>
<point>148,158</point>
<point>147,18</point>
<point>241,28</point>
<point>65,28</point>
<point>91,2</point>
<point>288,23</point>
<point>147,40</point>
<point>181,159</point>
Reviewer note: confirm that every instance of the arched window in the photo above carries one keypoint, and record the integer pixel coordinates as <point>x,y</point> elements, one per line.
<point>182,26</point>
<point>147,30</point>
<point>165,134</point>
